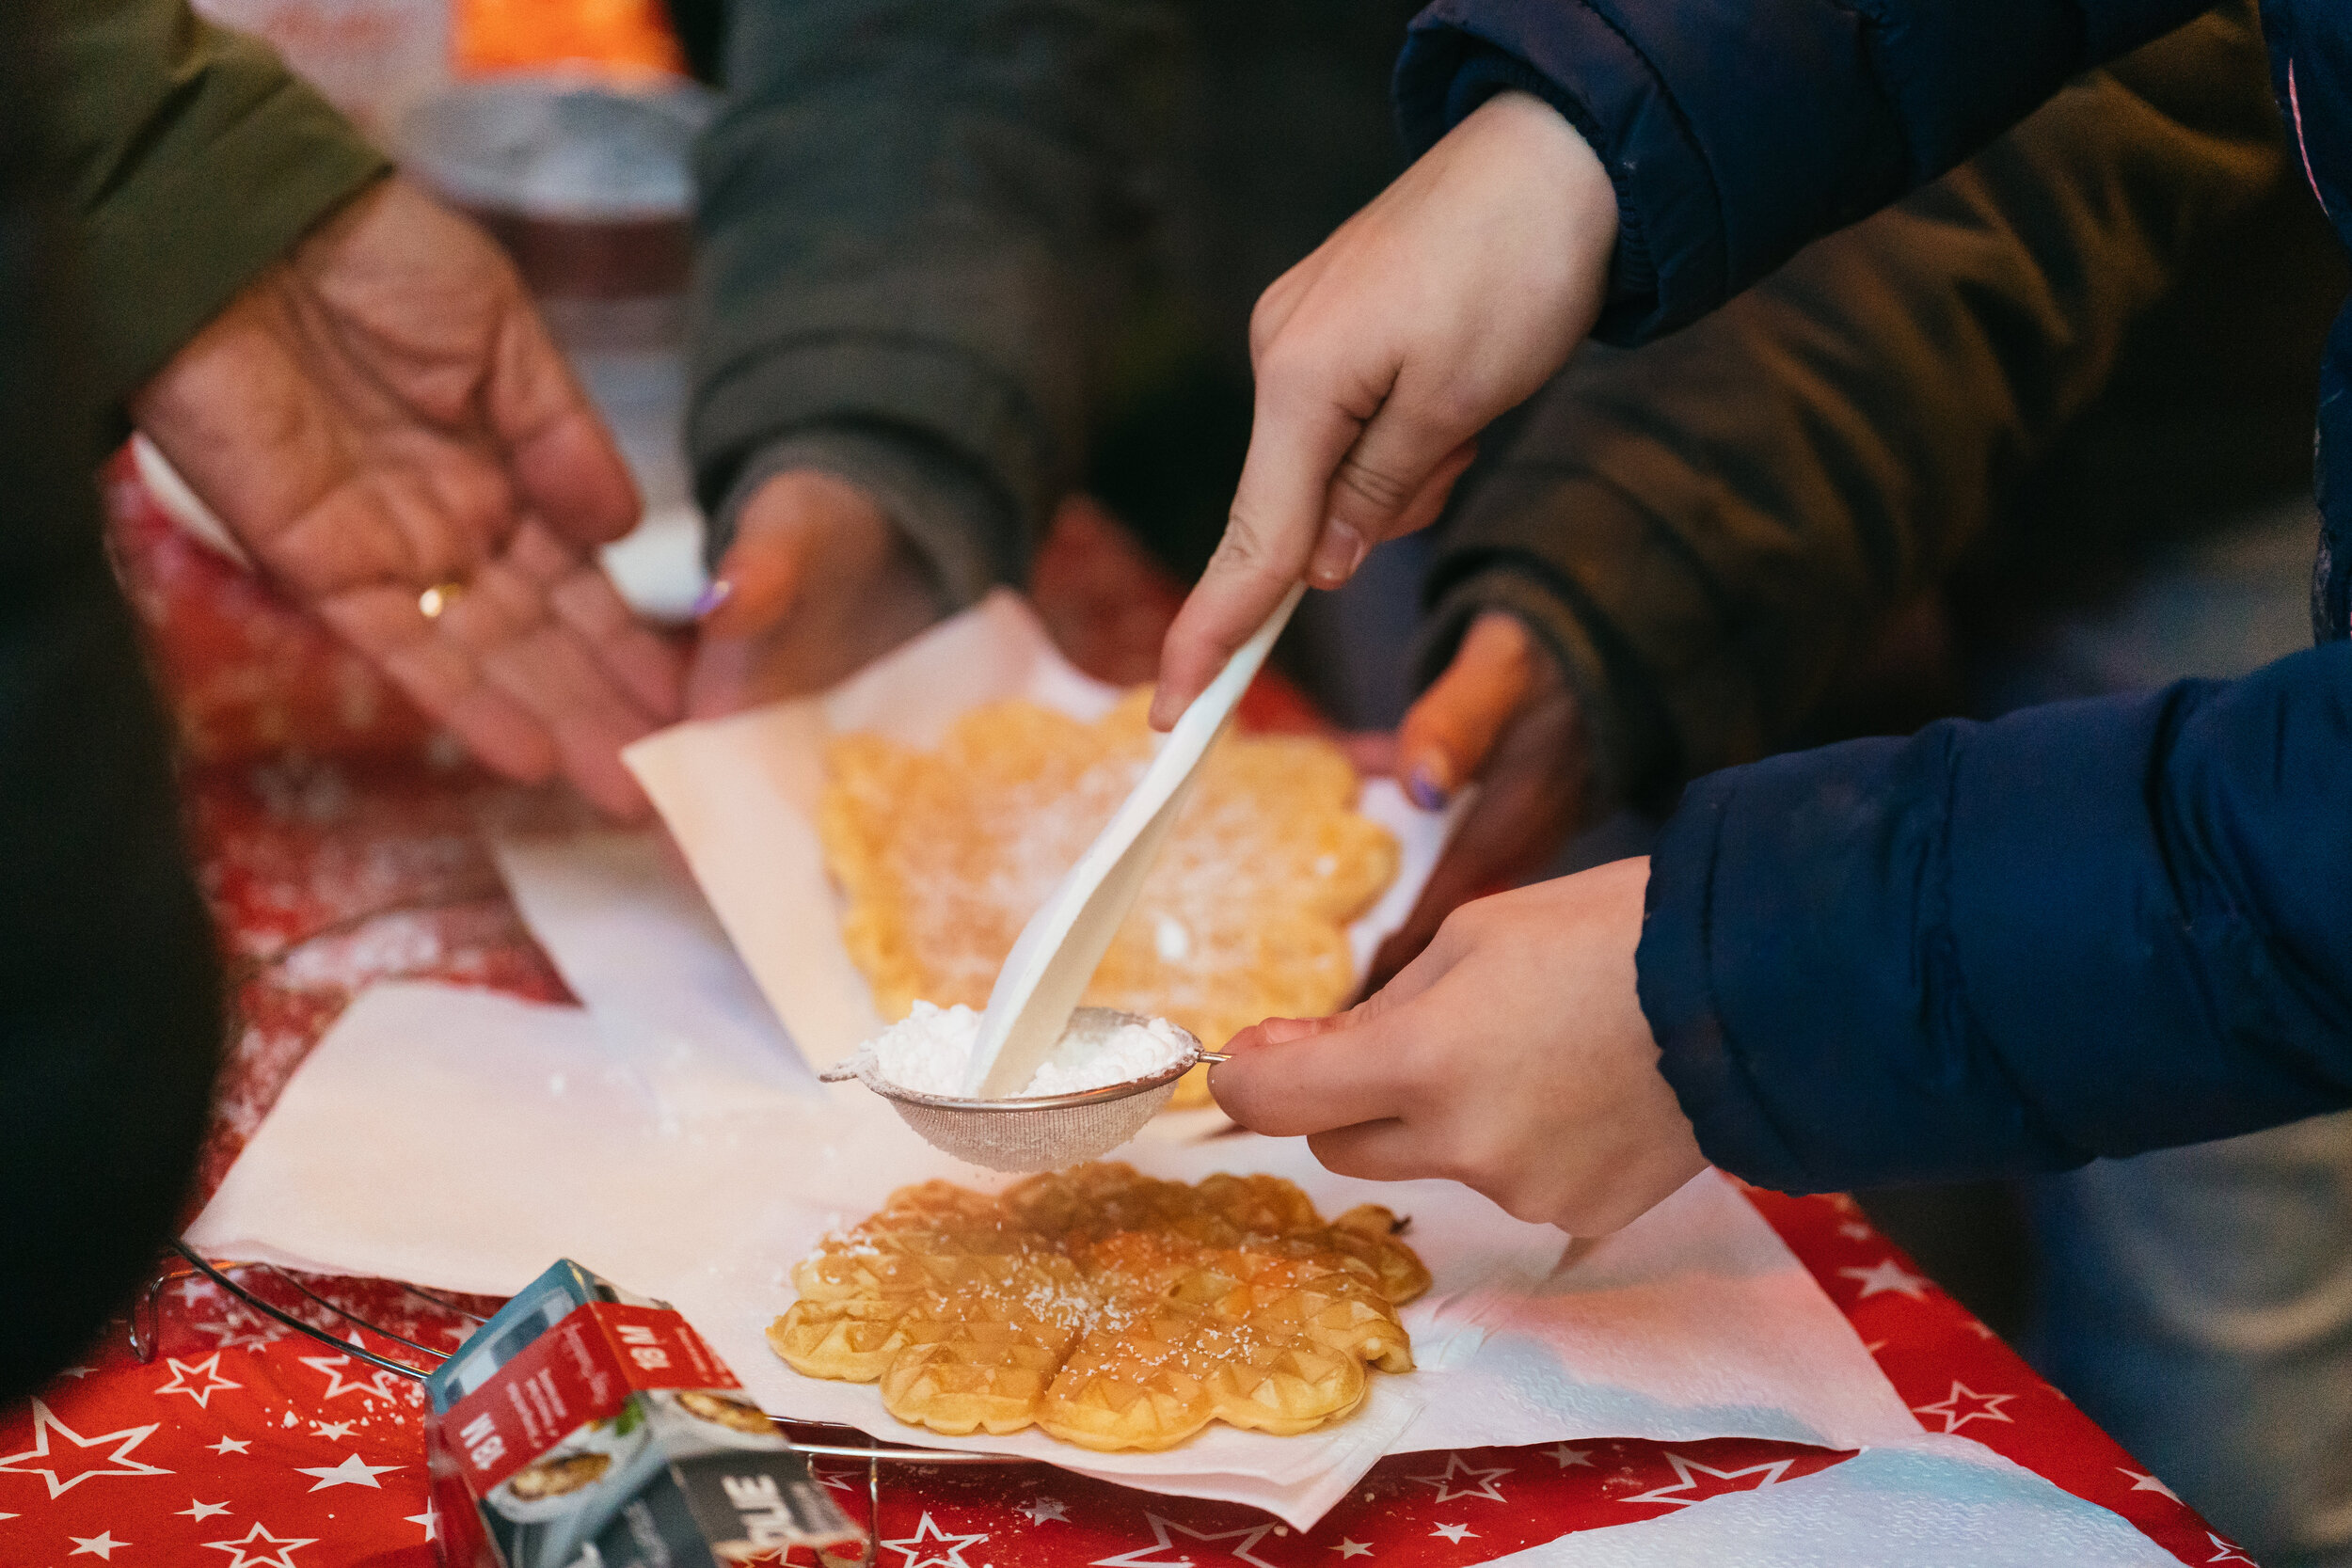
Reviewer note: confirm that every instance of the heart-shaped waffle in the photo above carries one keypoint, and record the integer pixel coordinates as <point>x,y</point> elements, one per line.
<point>1110,1310</point>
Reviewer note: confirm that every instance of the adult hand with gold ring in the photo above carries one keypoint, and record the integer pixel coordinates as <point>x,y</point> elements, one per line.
<point>383,422</point>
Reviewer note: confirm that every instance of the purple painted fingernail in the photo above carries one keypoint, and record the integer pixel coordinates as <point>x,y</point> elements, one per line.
<point>711,598</point>
<point>1424,788</point>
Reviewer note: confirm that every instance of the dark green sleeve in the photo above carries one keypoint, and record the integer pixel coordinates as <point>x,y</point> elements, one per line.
<point>110,1007</point>
<point>1707,529</point>
<point>918,219</point>
<point>192,159</point>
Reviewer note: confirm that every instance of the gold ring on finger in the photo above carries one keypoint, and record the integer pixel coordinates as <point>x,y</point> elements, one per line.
<point>437,599</point>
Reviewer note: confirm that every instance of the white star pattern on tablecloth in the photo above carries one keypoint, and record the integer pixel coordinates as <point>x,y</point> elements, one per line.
<point>1887,1276</point>
<point>225,1331</point>
<point>337,1385</point>
<point>1042,1509</point>
<point>1693,1476</point>
<point>45,1422</point>
<point>1164,1532</point>
<point>280,1556</point>
<point>1964,1404</point>
<point>2227,1553</point>
<point>199,1511</point>
<point>1458,1481</point>
<point>1567,1456</point>
<point>353,1471</point>
<point>915,1550</point>
<point>208,1368</point>
<point>1347,1548</point>
<point>426,1520</point>
<point>1455,1533</point>
<point>336,1429</point>
<point>101,1546</point>
<point>2150,1483</point>
<point>76,1374</point>
<point>1854,1231</point>
<point>231,1445</point>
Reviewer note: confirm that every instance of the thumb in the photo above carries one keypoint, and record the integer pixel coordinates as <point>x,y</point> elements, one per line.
<point>1294,1077</point>
<point>1281,1031</point>
<point>1392,482</point>
<point>1448,733</point>
<point>778,532</point>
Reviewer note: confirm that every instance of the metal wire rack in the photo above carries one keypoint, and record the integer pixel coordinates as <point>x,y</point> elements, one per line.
<point>145,1331</point>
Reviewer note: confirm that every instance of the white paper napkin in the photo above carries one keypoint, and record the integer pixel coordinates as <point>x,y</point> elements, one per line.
<point>740,794</point>
<point>1944,1501</point>
<point>463,1139</point>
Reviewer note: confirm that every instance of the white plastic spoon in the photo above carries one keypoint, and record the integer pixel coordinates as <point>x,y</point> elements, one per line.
<point>1063,944</point>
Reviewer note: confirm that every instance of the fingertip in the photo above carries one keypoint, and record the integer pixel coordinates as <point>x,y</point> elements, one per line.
<point>1428,782</point>
<point>1276,1031</point>
<point>1181,680</point>
<point>1425,765</point>
<point>755,583</point>
<point>1167,707</point>
<point>1338,553</point>
<point>571,473</point>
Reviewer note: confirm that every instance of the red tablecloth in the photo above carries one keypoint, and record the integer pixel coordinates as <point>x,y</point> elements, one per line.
<point>338,849</point>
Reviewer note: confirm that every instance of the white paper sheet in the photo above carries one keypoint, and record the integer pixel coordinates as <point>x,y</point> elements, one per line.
<point>462,1139</point>
<point>1944,1501</point>
<point>740,794</point>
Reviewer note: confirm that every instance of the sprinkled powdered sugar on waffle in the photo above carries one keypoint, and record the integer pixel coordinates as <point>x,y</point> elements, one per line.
<point>944,855</point>
<point>1109,1309</point>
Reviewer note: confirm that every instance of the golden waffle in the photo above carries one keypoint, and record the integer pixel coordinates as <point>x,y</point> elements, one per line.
<point>944,855</point>
<point>1108,1308</point>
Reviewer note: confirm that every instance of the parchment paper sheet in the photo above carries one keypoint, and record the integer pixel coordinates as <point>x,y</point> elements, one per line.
<point>464,1139</point>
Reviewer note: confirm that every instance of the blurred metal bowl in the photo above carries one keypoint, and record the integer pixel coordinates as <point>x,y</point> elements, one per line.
<point>585,180</point>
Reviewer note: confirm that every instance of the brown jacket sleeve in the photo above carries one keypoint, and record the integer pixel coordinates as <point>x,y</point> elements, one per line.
<point>192,159</point>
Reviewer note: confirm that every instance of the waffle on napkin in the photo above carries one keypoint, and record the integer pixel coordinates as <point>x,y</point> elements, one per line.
<point>944,855</point>
<point>1113,1310</point>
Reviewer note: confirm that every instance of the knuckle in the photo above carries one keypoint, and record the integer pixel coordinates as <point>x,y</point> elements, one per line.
<point>1385,493</point>
<point>1265,323</point>
<point>1338,1155</point>
<point>1246,550</point>
<point>1272,309</point>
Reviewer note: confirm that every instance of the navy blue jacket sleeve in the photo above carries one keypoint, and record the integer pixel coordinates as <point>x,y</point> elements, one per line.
<point>2087,929</point>
<point>1737,131</point>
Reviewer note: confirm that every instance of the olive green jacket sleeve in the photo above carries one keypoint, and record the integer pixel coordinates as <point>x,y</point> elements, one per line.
<point>192,159</point>
<point>1706,529</point>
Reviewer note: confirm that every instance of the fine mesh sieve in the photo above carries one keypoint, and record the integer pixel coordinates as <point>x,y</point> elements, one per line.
<point>1033,1134</point>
